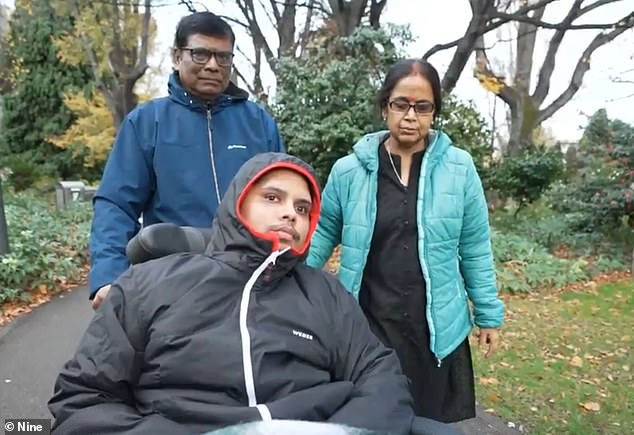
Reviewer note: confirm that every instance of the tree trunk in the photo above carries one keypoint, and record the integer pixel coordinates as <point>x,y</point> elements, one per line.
<point>4,233</point>
<point>121,99</point>
<point>348,14</point>
<point>514,146</point>
<point>465,47</point>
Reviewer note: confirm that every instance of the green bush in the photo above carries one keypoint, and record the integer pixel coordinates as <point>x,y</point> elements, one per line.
<point>523,265</point>
<point>527,176</point>
<point>47,246</point>
<point>602,190</point>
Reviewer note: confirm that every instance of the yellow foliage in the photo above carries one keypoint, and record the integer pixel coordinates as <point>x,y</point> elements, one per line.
<point>93,133</point>
<point>489,82</point>
<point>97,25</point>
<point>27,5</point>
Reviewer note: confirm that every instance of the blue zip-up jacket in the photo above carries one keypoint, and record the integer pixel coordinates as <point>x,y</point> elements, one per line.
<point>454,243</point>
<point>172,161</point>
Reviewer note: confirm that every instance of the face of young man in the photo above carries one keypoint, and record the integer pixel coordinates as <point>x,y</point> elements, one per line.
<point>279,202</point>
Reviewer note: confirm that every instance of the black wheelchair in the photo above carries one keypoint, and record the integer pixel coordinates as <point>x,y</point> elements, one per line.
<point>159,240</point>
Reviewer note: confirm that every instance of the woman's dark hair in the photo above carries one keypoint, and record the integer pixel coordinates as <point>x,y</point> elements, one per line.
<point>407,67</point>
<point>204,23</point>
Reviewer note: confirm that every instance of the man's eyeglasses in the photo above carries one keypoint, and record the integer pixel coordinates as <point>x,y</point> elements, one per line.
<point>202,55</point>
<point>420,107</point>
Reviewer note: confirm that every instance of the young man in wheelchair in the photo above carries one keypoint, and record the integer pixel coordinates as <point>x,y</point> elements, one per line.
<point>193,342</point>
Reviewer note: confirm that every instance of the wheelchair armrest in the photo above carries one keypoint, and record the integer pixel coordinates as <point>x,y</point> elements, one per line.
<point>162,239</point>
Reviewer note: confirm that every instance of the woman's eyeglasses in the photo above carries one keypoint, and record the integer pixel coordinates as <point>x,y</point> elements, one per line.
<point>202,55</point>
<point>402,105</point>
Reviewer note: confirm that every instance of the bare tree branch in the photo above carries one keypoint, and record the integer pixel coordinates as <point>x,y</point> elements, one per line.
<point>480,12</point>
<point>244,80</point>
<point>546,71</point>
<point>259,41</point>
<point>235,21</point>
<point>276,12</point>
<point>488,26</point>
<point>376,9</point>
<point>303,39</point>
<point>559,26</point>
<point>141,64</point>
<point>525,52</point>
<point>583,65</point>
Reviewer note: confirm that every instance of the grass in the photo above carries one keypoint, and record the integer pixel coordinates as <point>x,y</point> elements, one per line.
<point>566,362</point>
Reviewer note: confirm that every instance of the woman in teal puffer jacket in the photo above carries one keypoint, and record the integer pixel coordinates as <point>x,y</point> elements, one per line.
<point>410,214</point>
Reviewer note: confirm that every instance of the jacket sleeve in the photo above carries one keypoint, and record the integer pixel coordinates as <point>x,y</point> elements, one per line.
<point>92,394</point>
<point>328,232</point>
<point>380,398</point>
<point>124,191</point>
<point>476,256</point>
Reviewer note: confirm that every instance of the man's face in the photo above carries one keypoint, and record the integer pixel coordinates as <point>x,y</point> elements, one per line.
<point>280,202</point>
<point>203,75</point>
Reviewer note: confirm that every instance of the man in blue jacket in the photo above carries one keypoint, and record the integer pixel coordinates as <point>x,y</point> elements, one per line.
<point>175,156</point>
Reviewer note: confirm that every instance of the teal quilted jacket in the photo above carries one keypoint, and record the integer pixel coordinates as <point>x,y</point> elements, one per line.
<point>453,227</point>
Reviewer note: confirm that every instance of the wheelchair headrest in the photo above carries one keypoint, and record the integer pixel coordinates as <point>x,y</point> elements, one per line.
<point>160,240</point>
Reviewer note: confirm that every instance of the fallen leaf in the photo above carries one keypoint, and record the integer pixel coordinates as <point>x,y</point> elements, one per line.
<point>591,406</point>
<point>489,381</point>
<point>576,361</point>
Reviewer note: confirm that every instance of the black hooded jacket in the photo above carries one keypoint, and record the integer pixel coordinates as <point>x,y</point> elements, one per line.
<point>190,343</point>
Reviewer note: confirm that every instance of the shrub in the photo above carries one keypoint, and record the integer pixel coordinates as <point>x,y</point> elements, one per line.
<point>523,265</point>
<point>47,246</point>
<point>527,176</point>
<point>603,189</point>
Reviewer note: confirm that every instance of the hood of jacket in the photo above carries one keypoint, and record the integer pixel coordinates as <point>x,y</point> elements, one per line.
<point>232,234</point>
<point>182,96</point>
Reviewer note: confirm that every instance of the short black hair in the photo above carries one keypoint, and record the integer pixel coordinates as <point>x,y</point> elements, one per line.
<point>407,67</point>
<point>204,23</point>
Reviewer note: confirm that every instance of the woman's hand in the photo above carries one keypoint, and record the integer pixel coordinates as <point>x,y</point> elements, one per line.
<point>488,336</point>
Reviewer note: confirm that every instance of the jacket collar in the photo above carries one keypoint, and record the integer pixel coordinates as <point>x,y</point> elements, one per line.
<point>182,96</point>
<point>366,149</point>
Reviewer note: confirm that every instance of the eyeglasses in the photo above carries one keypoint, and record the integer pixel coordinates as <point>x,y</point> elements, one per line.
<point>202,55</point>
<point>420,107</point>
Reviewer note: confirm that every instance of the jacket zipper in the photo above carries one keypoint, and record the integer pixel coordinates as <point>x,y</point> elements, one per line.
<point>245,337</point>
<point>211,153</point>
<point>432,330</point>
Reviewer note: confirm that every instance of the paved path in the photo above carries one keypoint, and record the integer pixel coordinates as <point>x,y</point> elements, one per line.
<point>35,346</point>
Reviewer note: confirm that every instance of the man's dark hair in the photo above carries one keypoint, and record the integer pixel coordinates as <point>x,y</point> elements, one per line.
<point>407,67</point>
<point>204,23</point>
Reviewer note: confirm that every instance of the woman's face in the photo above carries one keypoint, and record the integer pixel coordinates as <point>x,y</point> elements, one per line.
<point>409,112</point>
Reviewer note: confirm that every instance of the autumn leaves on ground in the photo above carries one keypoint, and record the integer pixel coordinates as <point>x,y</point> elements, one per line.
<point>566,361</point>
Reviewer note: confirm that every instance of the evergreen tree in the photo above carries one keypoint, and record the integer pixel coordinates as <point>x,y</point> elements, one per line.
<point>34,109</point>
